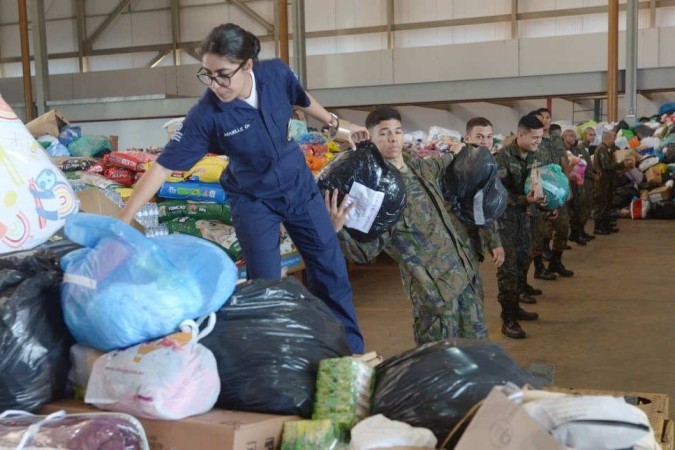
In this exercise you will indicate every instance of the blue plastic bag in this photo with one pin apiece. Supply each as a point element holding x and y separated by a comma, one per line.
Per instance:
<point>69,134</point>
<point>57,149</point>
<point>556,186</point>
<point>123,288</point>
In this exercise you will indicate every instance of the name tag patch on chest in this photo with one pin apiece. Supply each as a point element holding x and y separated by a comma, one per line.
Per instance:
<point>237,130</point>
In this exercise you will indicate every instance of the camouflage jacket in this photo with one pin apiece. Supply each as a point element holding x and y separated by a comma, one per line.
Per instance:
<point>551,150</point>
<point>580,151</point>
<point>604,160</point>
<point>430,245</point>
<point>513,171</point>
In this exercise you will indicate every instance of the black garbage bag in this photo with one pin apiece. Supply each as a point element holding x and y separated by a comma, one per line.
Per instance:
<point>471,185</point>
<point>34,340</point>
<point>643,131</point>
<point>662,211</point>
<point>268,342</point>
<point>436,384</point>
<point>366,165</point>
<point>623,195</point>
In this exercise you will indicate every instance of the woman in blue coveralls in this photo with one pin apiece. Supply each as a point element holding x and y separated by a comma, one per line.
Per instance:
<point>245,114</point>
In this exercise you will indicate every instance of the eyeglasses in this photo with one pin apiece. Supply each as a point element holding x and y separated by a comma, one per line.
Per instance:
<point>220,79</point>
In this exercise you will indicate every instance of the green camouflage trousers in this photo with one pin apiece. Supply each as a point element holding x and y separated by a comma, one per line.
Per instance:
<point>464,319</point>
<point>537,233</point>
<point>558,229</point>
<point>578,208</point>
<point>514,231</point>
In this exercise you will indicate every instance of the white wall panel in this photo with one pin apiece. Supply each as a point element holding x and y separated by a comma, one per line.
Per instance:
<point>57,8</point>
<point>665,17</point>
<point>66,65</point>
<point>100,6</point>
<point>456,62</point>
<point>110,62</point>
<point>552,55</point>
<point>9,40</point>
<point>118,34</point>
<point>666,53</point>
<point>197,22</point>
<point>151,4</point>
<point>151,28</point>
<point>61,36</point>
<point>350,69</point>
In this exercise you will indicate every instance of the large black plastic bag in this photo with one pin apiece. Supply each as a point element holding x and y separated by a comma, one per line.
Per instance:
<point>471,185</point>
<point>268,342</point>
<point>436,384</point>
<point>366,165</point>
<point>34,340</point>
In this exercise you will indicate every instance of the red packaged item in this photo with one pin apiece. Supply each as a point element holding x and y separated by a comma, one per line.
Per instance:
<point>134,160</point>
<point>122,176</point>
<point>138,175</point>
<point>99,167</point>
<point>106,160</point>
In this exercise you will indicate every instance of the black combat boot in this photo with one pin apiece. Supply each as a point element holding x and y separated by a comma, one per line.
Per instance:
<point>557,266</point>
<point>601,228</point>
<point>541,272</point>
<point>531,290</point>
<point>510,326</point>
<point>575,236</point>
<point>528,299</point>
<point>588,237</point>
<point>521,314</point>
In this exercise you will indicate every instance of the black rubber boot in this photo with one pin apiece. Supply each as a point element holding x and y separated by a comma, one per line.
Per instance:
<point>531,290</point>
<point>528,299</point>
<point>521,314</point>
<point>541,272</point>
<point>557,266</point>
<point>510,326</point>
<point>546,250</point>
<point>576,237</point>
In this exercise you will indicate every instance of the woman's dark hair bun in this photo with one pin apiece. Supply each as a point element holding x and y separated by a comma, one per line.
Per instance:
<point>233,42</point>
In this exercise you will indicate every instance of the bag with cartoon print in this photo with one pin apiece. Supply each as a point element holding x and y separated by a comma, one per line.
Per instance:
<point>35,196</point>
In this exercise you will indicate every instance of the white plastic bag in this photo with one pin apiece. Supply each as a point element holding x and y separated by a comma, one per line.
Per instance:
<point>82,359</point>
<point>440,134</point>
<point>169,378</point>
<point>35,197</point>
<point>379,432</point>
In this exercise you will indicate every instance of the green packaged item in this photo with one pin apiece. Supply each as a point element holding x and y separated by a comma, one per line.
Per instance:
<point>309,435</point>
<point>211,230</point>
<point>172,209</point>
<point>344,389</point>
<point>89,146</point>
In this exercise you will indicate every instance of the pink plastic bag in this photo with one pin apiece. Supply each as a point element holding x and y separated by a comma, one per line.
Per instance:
<point>169,378</point>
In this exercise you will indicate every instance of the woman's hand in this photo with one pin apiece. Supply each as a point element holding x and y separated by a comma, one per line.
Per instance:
<point>338,214</point>
<point>356,135</point>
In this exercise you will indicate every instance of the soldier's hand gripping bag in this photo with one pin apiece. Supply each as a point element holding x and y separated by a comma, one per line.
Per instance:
<point>366,166</point>
<point>268,341</point>
<point>472,186</point>
<point>435,385</point>
<point>556,186</point>
<point>34,340</point>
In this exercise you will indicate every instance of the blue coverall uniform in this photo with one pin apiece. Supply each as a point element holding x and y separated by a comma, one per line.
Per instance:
<point>269,183</point>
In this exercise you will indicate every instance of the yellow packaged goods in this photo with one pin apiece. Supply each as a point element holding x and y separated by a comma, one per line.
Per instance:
<point>208,169</point>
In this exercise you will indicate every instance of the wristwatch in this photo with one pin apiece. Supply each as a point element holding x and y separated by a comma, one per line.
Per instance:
<point>333,125</point>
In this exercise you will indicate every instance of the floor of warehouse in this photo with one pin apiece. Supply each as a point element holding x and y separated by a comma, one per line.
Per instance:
<point>608,327</point>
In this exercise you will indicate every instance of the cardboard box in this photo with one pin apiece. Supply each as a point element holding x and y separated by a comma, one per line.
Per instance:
<point>48,123</point>
<point>502,424</point>
<point>216,430</point>
<point>661,194</point>
<point>621,155</point>
<point>95,202</point>
<point>654,405</point>
<point>668,435</point>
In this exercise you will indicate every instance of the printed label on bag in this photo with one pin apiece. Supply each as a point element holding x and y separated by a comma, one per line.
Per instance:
<point>368,203</point>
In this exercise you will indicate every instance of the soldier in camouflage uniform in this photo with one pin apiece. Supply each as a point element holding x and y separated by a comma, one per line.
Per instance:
<point>552,151</point>
<point>479,132</point>
<point>515,162</point>
<point>438,267</point>
<point>604,162</point>
<point>578,205</point>
<point>587,144</point>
